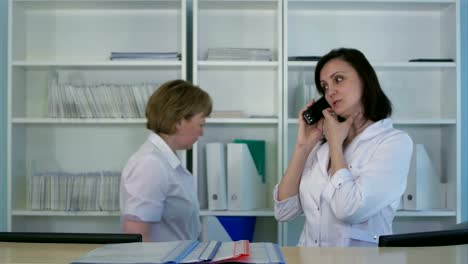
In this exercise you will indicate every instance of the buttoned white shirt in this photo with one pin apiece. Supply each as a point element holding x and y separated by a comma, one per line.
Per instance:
<point>157,189</point>
<point>357,204</point>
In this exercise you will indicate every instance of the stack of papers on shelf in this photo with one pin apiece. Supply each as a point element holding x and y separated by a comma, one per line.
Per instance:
<point>86,191</point>
<point>145,56</point>
<point>186,251</point>
<point>99,101</point>
<point>249,54</point>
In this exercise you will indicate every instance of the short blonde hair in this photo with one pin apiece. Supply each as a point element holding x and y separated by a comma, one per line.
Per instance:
<point>173,101</point>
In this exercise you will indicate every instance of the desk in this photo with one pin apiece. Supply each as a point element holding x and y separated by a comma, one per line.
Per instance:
<point>34,253</point>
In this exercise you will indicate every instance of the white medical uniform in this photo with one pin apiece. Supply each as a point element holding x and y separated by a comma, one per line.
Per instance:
<point>355,205</point>
<point>156,188</point>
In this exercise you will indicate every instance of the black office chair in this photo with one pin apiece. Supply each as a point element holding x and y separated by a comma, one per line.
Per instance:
<point>457,236</point>
<point>74,238</point>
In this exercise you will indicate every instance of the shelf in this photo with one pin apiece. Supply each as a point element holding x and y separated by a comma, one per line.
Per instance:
<point>78,121</point>
<point>387,65</point>
<point>136,121</point>
<point>242,121</point>
<point>371,5</point>
<point>96,4</point>
<point>63,213</point>
<point>430,213</point>
<point>97,64</point>
<point>263,212</point>
<point>253,64</point>
<point>237,4</point>
<point>410,122</point>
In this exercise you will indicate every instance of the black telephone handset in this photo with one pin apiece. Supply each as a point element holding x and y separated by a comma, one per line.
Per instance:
<point>314,113</point>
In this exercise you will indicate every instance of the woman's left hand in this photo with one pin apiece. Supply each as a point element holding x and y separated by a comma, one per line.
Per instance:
<point>335,131</point>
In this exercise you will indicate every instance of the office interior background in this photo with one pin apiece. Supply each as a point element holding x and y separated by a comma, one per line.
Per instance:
<point>4,111</point>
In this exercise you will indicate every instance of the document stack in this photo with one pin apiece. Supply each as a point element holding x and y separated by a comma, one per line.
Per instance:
<point>236,175</point>
<point>145,56</point>
<point>186,251</point>
<point>247,54</point>
<point>98,101</point>
<point>423,189</point>
<point>61,191</point>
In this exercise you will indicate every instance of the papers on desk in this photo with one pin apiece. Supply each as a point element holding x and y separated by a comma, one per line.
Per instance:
<point>186,251</point>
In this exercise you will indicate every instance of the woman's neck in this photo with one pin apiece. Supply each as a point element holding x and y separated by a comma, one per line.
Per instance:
<point>357,128</point>
<point>170,141</point>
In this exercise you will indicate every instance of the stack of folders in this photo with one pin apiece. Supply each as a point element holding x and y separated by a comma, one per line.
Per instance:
<point>247,54</point>
<point>145,56</point>
<point>236,175</point>
<point>186,251</point>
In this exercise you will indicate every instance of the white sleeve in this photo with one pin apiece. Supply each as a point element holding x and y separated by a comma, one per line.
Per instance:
<point>287,209</point>
<point>355,194</point>
<point>146,184</point>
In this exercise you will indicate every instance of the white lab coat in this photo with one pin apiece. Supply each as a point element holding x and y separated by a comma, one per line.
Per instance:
<point>357,204</point>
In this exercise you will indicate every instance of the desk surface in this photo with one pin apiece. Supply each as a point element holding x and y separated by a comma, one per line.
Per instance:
<point>33,253</point>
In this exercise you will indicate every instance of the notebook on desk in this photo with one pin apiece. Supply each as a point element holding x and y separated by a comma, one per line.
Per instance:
<point>186,251</point>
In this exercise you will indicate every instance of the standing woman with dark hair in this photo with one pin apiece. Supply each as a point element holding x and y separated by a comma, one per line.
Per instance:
<point>346,177</point>
<point>157,194</point>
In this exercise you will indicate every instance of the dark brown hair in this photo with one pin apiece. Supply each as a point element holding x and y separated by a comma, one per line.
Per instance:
<point>376,104</point>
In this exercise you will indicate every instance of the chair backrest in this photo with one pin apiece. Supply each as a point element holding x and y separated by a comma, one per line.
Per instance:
<point>426,239</point>
<point>75,238</point>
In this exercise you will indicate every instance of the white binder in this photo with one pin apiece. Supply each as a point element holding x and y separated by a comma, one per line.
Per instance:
<point>245,188</point>
<point>216,176</point>
<point>423,190</point>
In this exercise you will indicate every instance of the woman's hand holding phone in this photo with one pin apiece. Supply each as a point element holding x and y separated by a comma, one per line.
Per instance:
<point>308,135</point>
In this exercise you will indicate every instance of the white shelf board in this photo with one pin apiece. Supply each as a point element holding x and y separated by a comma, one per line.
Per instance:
<point>135,120</point>
<point>238,4</point>
<point>386,65</point>
<point>98,4</point>
<point>97,63</point>
<point>260,212</point>
<point>253,64</point>
<point>242,120</point>
<point>78,120</point>
<point>424,121</point>
<point>426,213</point>
<point>64,213</point>
<point>370,5</point>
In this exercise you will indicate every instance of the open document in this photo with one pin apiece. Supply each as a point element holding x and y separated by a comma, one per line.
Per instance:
<point>187,251</point>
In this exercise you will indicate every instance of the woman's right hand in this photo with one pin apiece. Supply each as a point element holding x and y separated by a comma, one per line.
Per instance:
<point>308,135</point>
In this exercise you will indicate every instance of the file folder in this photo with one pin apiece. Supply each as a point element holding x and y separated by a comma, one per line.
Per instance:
<point>216,176</point>
<point>423,183</point>
<point>246,191</point>
<point>257,149</point>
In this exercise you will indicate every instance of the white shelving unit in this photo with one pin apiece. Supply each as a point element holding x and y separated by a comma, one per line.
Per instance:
<point>253,87</point>
<point>74,39</point>
<point>425,95</point>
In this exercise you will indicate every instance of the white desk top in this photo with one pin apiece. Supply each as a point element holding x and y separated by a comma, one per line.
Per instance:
<point>33,253</point>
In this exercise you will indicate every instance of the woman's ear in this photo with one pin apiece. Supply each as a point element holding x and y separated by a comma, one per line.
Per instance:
<point>179,124</point>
